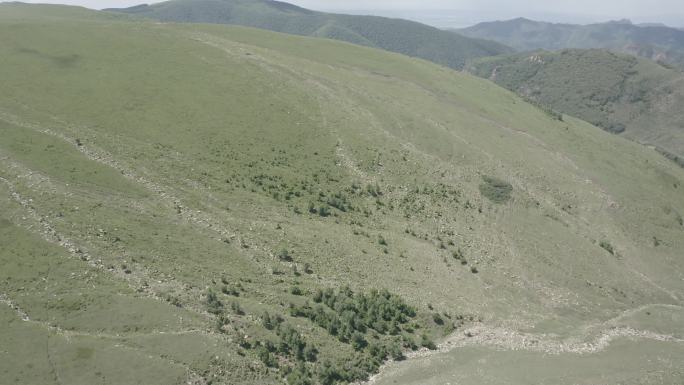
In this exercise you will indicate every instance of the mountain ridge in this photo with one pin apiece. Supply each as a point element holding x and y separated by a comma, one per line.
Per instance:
<point>396,35</point>
<point>659,43</point>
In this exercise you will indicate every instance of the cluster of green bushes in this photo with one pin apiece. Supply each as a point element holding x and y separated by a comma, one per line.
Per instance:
<point>326,202</point>
<point>378,310</point>
<point>231,289</point>
<point>290,345</point>
<point>378,325</point>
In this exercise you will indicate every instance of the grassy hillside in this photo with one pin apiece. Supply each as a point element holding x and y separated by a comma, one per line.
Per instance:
<point>395,35</point>
<point>188,203</point>
<point>622,94</point>
<point>658,43</point>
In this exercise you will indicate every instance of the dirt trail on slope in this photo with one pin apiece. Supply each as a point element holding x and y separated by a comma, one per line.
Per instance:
<point>507,339</point>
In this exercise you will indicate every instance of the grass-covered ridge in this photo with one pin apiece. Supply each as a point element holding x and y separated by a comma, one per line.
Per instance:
<point>395,35</point>
<point>165,187</point>
<point>619,93</point>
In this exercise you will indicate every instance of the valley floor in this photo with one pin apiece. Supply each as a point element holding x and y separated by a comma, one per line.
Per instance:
<point>644,345</point>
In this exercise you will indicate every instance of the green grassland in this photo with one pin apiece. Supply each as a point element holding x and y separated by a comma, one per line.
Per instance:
<point>620,93</point>
<point>395,35</point>
<point>163,186</point>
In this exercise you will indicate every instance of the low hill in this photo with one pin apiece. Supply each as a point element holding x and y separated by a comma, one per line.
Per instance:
<point>658,43</point>
<point>396,35</point>
<point>620,93</point>
<point>212,204</point>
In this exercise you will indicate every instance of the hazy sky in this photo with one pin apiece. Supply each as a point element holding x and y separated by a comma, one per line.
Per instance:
<point>671,11</point>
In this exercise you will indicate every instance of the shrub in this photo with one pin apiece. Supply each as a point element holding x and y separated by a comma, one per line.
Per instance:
<point>295,290</point>
<point>266,357</point>
<point>284,255</point>
<point>378,352</point>
<point>266,321</point>
<point>382,241</point>
<point>374,191</point>
<point>437,319</point>
<point>607,246</point>
<point>408,342</point>
<point>236,308</point>
<point>324,212</point>
<point>310,353</point>
<point>426,342</point>
<point>358,342</point>
<point>299,376</point>
<point>496,190</point>
<point>214,305</point>
<point>394,351</point>
<point>221,321</point>
<point>230,290</point>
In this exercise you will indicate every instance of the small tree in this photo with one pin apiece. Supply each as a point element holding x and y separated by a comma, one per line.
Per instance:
<point>266,357</point>
<point>214,305</point>
<point>312,208</point>
<point>295,290</point>
<point>324,211</point>
<point>437,319</point>
<point>607,246</point>
<point>266,321</point>
<point>299,376</point>
<point>310,353</point>
<point>358,342</point>
<point>426,342</point>
<point>394,350</point>
<point>236,308</point>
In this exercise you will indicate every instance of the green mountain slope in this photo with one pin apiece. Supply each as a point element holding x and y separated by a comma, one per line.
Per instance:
<point>659,43</point>
<point>635,97</point>
<point>395,35</point>
<point>186,203</point>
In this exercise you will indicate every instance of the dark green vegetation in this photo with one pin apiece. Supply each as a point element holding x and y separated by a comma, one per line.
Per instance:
<point>174,196</point>
<point>396,35</point>
<point>495,189</point>
<point>658,43</point>
<point>619,93</point>
<point>377,325</point>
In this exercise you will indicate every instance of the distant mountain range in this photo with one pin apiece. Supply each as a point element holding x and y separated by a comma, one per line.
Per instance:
<point>632,96</point>
<point>402,36</point>
<point>656,42</point>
